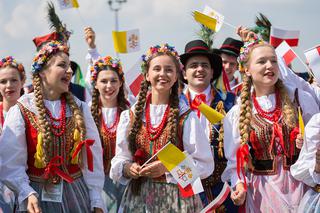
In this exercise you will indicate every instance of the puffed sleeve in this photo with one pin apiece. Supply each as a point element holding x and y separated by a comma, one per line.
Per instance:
<point>308,105</point>
<point>196,143</point>
<point>231,145</point>
<point>123,154</point>
<point>13,157</point>
<point>290,78</point>
<point>95,179</point>
<point>303,169</point>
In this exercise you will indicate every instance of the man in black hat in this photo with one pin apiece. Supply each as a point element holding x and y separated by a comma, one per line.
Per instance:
<point>229,52</point>
<point>201,68</point>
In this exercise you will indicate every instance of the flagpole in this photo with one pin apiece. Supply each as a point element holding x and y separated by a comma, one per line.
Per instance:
<point>230,25</point>
<point>308,70</point>
<point>116,9</point>
<point>155,154</point>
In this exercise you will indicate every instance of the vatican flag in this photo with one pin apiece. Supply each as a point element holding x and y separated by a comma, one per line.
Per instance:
<point>126,41</point>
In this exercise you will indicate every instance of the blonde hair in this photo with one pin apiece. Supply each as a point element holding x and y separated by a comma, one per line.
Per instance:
<point>44,125</point>
<point>288,110</point>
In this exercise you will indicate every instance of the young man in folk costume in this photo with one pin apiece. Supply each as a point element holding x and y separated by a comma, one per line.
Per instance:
<point>229,52</point>
<point>201,68</point>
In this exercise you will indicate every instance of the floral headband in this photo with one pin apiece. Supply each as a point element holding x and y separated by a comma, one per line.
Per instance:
<point>101,64</point>
<point>45,53</point>
<point>245,49</point>
<point>10,61</point>
<point>164,48</point>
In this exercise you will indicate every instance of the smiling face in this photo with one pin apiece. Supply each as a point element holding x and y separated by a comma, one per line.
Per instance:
<point>56,76</point>
<point>230,64</point>
<point>198,72</point>
<point>162,73</point>
<point>263,67</point>
<point>11,83</point>
<point>108,85</point>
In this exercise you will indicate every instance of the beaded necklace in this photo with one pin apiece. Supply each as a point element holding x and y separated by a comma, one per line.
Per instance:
<point>61,120</point>
<point>154,133</point>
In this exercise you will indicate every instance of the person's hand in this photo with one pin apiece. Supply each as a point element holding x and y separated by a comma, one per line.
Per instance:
<point>90,37</point>
<point>97,210</point>
<point>153,170</point>
<point>317,167</point>
<point>131,170</point>
<point>245,33</point>
<point>299,141</point>
<point>239,195</point>
<point>33,204</point>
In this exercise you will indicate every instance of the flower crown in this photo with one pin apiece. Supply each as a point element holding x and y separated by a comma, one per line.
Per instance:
<point>164,48</point>
<point>101,64</point>
<point>45,53</point>
<point>10,61</point>
<point>245,49</point>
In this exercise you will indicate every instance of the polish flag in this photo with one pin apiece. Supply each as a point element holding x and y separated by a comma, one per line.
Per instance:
<point>313,57</point>
<point>191,189</point>
<point>285,51</point>
<point>134,78</point>
<point>218,200</point>
<point>278,35</point>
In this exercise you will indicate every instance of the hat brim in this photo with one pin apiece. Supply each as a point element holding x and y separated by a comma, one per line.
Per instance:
<point>215,61</point>
<point>225,51</point>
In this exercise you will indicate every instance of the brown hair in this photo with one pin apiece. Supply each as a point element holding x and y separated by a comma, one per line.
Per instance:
<point>139,107</point>
<point>121,98</point>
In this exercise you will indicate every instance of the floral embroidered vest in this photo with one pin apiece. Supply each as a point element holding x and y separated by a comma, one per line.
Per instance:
<point>60,146</point>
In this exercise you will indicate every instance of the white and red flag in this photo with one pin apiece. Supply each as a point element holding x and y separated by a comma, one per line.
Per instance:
<point>134,78</point>
<point>285,51</point>
<point>313,57</point>
<point>216,203</point>
<point>278,35</point>
<point>191,189</point>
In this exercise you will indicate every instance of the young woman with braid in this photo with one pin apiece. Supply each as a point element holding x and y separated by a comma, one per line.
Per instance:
<point>262,137</point>
<point>108,101</point>
<point>12,78</point>
<point>51,154</point>
<point>159,116</point>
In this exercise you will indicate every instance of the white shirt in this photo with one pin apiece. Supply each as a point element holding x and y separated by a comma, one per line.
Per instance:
<point>205,123</point>
<point>13,151</point>
<point>232,134</point>
<point>303,169</point>
<point>195,143</point>
<point>109,115</point>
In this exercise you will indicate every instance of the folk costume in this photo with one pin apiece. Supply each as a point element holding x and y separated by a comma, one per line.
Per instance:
<point>159,194</point>
<point>6,195</point>
<point>71,179</point>
<point>263,162</point>
<point>304,169</point>
<point>108,120</point>
<point>222,103</point>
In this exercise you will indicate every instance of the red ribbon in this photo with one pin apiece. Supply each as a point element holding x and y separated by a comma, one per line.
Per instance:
<point>139,156</point>
<point>53,169</point>
<point>196,103</point>
<point>242,160</point>
<point>87,143</point>
<point>277,132</point>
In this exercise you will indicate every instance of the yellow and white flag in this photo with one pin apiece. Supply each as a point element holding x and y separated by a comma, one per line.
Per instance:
<point>126,41</point>
<point>66,4</point>
<point>216,15</point>
<point>179,164</point>
<point>205,20</point>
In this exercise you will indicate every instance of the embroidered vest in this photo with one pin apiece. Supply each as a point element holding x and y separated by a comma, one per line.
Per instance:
<point>109,147</point>
<point>152,147</point>
<point>61,146</point>
<point>263,155</point>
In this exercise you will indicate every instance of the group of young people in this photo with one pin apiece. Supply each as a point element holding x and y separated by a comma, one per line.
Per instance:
<point>60,154</point>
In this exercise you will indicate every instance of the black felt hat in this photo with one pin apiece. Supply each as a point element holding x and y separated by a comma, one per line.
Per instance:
<point>230,46</point>
<point>199,47</point>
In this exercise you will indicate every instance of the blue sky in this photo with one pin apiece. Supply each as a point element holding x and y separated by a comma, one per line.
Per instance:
<point>159,21</point>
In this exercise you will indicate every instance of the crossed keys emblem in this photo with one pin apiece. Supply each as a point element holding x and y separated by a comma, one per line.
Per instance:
<point>184,173</point>
<point>133,41</point>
